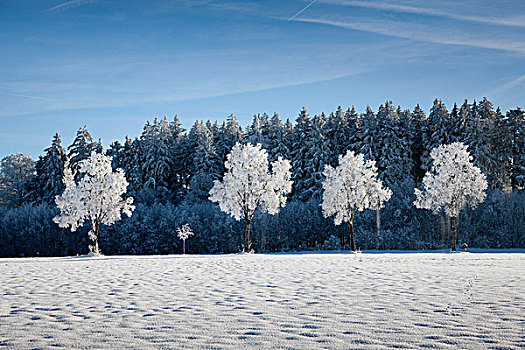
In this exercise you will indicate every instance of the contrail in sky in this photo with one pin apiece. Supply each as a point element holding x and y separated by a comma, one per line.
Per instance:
<point>298,13</point>
<point>28,96</point>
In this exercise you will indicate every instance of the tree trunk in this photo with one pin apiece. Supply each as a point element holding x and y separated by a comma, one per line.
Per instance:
<point>378,220</point>
<point>183,246</point>
<point>352,240</point>
<point>454,233</point>
<point>94,228</point>
<point>378,226</point>
<point>443,218</point>
<point>247,240</point>
<point>96,251</point>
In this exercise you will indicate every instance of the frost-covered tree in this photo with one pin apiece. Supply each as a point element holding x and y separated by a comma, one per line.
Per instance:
<point>352,186</point>
<point>368,141</point>
<point>300,144</point>
<point>452,183</point>
<point>317,155</point>
<point>49,171</point>
<point>130,160</point>
<point>258,131</point>
<point>227,136</point>
<point>436,132</point>
<point>97,197</point>
<point>180,158</point>
<point>16,174</point>
<point>247,185</point>
<point>184,232</point>
<point>276,138</point>
<point>207,164</point>
<point>81,148</point>
<point>156,156</point>
<point>517,121</point>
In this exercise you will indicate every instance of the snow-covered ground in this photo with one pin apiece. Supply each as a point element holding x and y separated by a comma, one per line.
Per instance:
<point>299,301</point>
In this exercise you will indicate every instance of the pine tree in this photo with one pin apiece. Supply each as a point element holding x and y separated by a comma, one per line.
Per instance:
<point>436,132</point>
<point>394,163</point>
<point>456,131</point>
<point>467,123</point>
<point>233,133</point>
<point>130,161</point>
<point>368,136</point>
<point>516,119</point>
<point>300,143</point>
<point>481,137</point>
<point>352,123</point>
<point>501,138</point>
<point>49,170</point>
<point>206,165</point>
<point>17,173</point>
<point>180,159</point>
<point>81,149</point>
<point>276,138</point>
<point>156,157</point>
<point>317,155</point>
<point>418,127</point>
<point>258,131</point>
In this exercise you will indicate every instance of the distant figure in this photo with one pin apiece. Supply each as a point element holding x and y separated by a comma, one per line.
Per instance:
<point>465,246</point>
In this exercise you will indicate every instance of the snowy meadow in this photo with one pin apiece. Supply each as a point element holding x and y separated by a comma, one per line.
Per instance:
<point>286,301</point>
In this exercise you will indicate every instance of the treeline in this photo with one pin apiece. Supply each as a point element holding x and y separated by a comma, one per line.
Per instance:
<point>170,172</point>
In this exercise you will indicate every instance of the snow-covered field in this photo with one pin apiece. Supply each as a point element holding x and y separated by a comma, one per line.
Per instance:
<point>299,301</point>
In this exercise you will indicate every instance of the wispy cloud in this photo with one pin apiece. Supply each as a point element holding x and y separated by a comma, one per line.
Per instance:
<point>69,4</point>
<point>505,21</point>
<point>302,10</point>
<point>508,85</point>
<point>199,93</point>
<point>421,33</point>
<point>28,96</point>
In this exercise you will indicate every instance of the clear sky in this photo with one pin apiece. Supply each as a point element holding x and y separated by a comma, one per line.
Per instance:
<point>112,65</point>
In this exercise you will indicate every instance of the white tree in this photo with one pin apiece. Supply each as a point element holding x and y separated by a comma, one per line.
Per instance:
<point>16,173</point>
<point>452,183</point>
<point>97,197</point>
<point>352,186</point>
<point>183,233</point>
<point>247,185</point>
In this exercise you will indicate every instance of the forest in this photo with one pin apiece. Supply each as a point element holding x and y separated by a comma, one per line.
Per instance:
<point>170,172</point>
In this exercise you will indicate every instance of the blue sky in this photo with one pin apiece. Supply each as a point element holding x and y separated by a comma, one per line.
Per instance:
<point>112,65</point>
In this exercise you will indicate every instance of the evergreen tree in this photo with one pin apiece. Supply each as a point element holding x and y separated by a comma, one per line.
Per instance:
<point>352,123</point>
<point>258,131</point>
<point>394,163</point>
<point>277,146</point>
<point>317,155</point>
<point>436,132</point>
<point>156,157</point>
<point>231,134</point>
<point>206,166</point>
<point>129,160</point>
<point>480,139</point>
<point>81,149</point>
<point>368,136</point>
<point>418,127</point>
<point>180,158</point>
<point>516,119</point>
<point>49,170</point>
<point>17,173</point>
<point>300,143</point>
<point>501,138</point>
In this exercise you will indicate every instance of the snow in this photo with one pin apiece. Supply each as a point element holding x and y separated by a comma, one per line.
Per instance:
<point>300,301</point>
